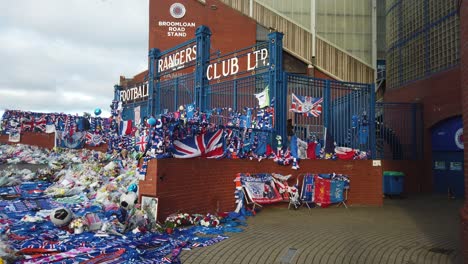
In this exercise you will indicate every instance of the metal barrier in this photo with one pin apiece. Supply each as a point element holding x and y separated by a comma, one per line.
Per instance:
<point>346,111</point>
<point>225,85</point>
<point>399,131</point>
<point>304,126</point>
<point>177,92</point>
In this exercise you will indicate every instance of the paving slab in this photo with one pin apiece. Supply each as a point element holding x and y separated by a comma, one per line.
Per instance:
<point>413,230</point>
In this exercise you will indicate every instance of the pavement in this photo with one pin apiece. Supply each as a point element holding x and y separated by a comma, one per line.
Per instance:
<point>411,230</point>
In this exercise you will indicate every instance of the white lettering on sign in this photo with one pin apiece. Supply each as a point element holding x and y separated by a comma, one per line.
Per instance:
<point>231,66</point>
<point>176,28</point>
<point>176,24</point>
<point>177,59</point>
<point>215,70</point>
<point>134,93</point>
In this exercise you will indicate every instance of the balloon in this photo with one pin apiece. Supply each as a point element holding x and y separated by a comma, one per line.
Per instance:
<point>97,111</point>
<point>132,188</point>
<point>152,121</point>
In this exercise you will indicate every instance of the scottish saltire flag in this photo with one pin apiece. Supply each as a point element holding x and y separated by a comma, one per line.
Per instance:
<point>94,139</point>
<point>209,145</point>
<point>125,127</point>
<point>306,105</point>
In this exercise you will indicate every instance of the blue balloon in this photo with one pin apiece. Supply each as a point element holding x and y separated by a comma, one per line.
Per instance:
<point>97,111</point>
<point>152,121</point>
<point>132,188</point>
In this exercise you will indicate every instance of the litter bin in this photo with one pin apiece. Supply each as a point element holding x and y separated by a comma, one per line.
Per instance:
<point>393,182</point>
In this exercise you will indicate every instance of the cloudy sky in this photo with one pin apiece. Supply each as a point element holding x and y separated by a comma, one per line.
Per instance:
<point>67,55</point>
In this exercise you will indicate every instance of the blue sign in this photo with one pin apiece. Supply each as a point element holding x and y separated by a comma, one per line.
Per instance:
<point>448,135</point>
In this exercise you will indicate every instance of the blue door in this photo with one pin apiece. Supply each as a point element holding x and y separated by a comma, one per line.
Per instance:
<point>447,157</point>
<point>448,173</point>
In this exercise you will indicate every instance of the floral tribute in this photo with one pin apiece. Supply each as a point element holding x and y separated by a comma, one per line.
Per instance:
<point>78,223</point>
<point>185,219</point>
<point>209,221</point>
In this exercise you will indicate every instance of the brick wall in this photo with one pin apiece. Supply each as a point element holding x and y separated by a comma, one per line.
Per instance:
<point>464,96</point>
<point>319,74</point>
<point>230,29</point>
<point>411,169</point>
<point>202,185</point>
<point>43,140</point>
<point>440,97</point>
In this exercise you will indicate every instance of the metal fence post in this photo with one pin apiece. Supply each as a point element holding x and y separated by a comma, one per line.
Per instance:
<point>372,140</point>
<point>276,85</point>
<point>234,107</point>
<point>154,55</point>
<point>176,93</point>
<point>326,105</point>
<point>203,35</point>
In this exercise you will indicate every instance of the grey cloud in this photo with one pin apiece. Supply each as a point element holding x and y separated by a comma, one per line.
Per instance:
<point>63,56</point>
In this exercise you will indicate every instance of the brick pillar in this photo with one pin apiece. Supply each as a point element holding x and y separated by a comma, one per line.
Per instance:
<point>464,96</point>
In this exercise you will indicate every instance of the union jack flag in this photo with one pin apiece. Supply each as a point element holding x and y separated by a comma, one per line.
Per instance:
<point>28,124</point>
<point>209,145</point>
<point>40,124</point>
<point>141,143</point>
<point>306,105</point>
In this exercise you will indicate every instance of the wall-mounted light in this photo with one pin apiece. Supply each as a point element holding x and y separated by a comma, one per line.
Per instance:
<point>213,7</point>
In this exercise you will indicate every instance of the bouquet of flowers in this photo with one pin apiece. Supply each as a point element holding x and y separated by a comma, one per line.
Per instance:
<point>179,219</point>
<point>78,223</point>
<point>209,221</point>
<point>196,218</point>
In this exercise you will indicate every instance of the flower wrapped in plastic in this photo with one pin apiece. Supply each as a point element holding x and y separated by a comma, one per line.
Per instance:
<point>181,219</point>
<point>78,223</point>
<point>210,221</point>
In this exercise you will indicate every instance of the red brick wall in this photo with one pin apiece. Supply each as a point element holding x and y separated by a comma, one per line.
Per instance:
<point>464,96</point>
<point>43,140</point>
<point>202,185</point>
<point>440,97</point>
<point>322,75</point>
<point>36,139</point>
<point>411,169</point>
<point>230,29</point>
